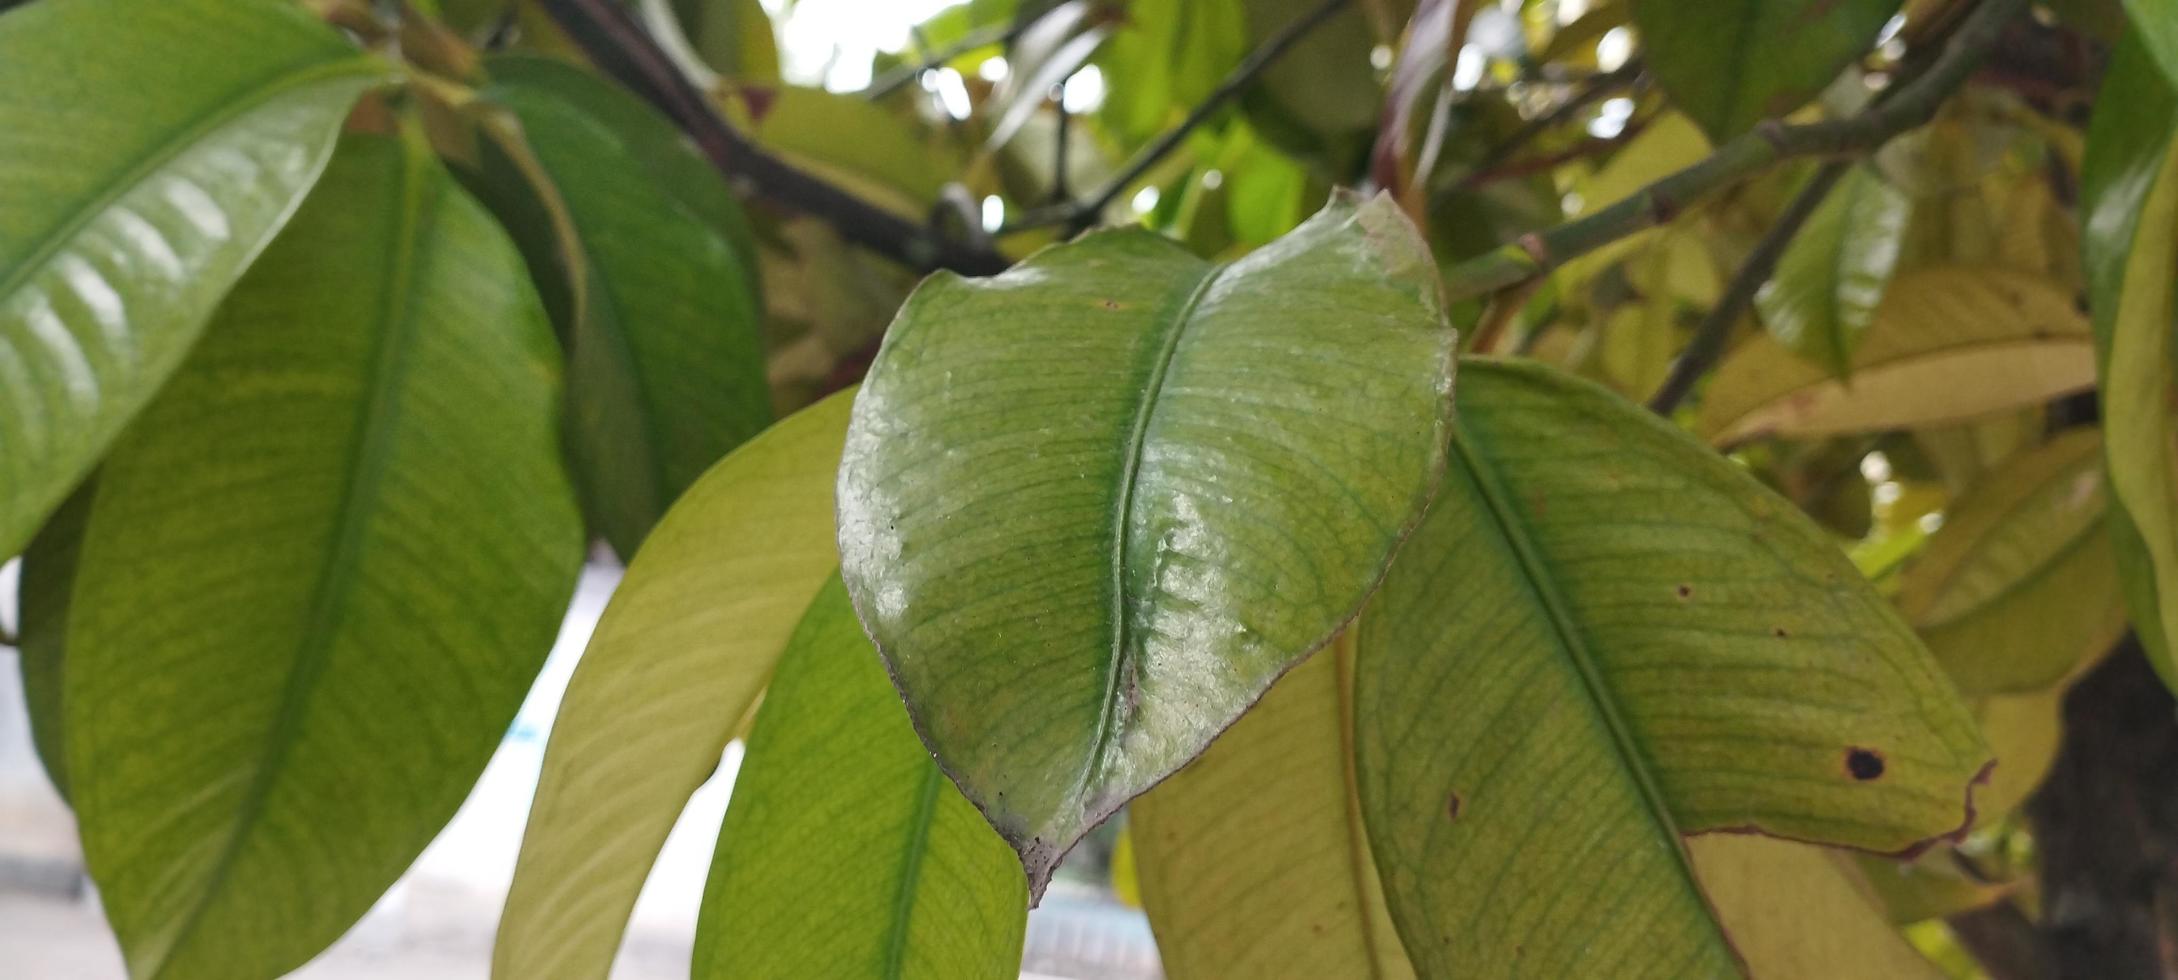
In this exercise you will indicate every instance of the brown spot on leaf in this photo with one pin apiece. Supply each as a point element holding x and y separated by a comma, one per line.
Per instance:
<point>1452,806</point>
<point>1863,764</point>
<point>1111,304</point>
<point>1779,632</point>
<point>1686,591</point>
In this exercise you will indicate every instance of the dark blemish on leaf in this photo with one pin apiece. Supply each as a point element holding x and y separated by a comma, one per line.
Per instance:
<point>1863,764</point>
<point>1779,632</point>
<point>1452,806</point>
<point>1686,592</point>
<point>1111,304</point>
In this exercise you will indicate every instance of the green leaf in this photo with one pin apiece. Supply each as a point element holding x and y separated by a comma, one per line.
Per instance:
<point>1830,279</point>
<point>48,574</point>
<point>1605,623</point>
<point>666,353</point>
<point>1322,90</point>
<point>677,662</point>
<point>1166,56</point>
<point>1253,860</point>
<point>1091,508</point>
<point>864,147</point>
<point>152,151</point>
<point>2019,585</point>
<point>845,852</point>
<point>2130,210</point>
<point>732,37</point>
<point>1948,344</point>
<point>317,577</point>
<point>1734,63</point>
<point>2155,27</point>
<point>1049,52</point>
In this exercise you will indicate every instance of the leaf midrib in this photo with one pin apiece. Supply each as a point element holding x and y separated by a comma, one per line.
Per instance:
<point>161,154</point>
<point>366,467</point>
<point>911,868</point>
<point>1534,573</point>
<point>1123,507</point>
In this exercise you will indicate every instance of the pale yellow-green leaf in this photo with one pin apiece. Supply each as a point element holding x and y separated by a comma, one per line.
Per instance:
<point>2019,584</point>
<point>1794,913</point>
<point>1948,343</point>
<point>1253,860</point>
<point>681,654</point>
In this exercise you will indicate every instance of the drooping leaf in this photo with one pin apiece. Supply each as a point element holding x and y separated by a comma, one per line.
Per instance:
<point>2019,585</point>
<point>2130,209</point>
<point>151,151</point>
<point>1733,63</point>
<point>1603,637</point>
<point>845,852</point>
<point>1948,344</point>
<point>666,353</point>
<point>1795,914</point>
<point>1829,281</point>
<point>48,576</point>
<point>1091,508</point>
<point>1253,860</point>
<point>686,645</point>
<point>317,577</point>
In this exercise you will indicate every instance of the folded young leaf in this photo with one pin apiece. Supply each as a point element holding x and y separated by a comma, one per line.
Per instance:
<point>1733,63</point>
<point>1829,281</point>
<point>1091,508</point>
<point>1253,860</point>
<point>1948,343</point>
<point>2130,206</point>
<point>845,852</point>
<point>152,150</point>
<point>665,335</point>
<point>683,650</point>
<point>2019,585</point>
<point>317,577</point>
<point>1603,637</point>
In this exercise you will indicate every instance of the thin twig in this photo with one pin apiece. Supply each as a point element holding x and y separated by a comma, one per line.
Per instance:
<point>1912,103</point>
<point>1081,214</point>
<point>1594,89</point>
<point>999,34</point>
<point>623,51</point>
<point>1702,352</point>
<point>1059,190</point>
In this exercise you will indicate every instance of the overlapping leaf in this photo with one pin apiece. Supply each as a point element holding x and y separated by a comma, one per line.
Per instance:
<point>1253,860</point>
<point>679,658</point>
<point>1091,508</point>
<point>1604,637</point>
<point>1829,281</point>
<point>845,852</point>
<point>2130,202</point>
<point>317,577</point>
<point>2019,585</point>
<point>1948,344</point>
<point>666,355</point>
<point>1734,63</point>
<point>151,152</point>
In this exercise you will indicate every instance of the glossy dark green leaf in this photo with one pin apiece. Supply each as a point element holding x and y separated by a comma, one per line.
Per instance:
<point>2130,212</point>
<point>1603,637</point>
<point>317,577</point>
<point>1830,279</point>
<point>1091,508</point>
<point>150,151</point>
<point>679,658</point>
<point>845,852</point>
<point>1732,63</point>
<point>666,358</point>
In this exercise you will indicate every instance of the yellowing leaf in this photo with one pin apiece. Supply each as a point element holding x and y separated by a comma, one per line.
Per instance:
<point>1253,860</point>
<point>679,657</point>
<point>2019,585</point>
<point>1947,344</point>
<point>1795,914</point>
